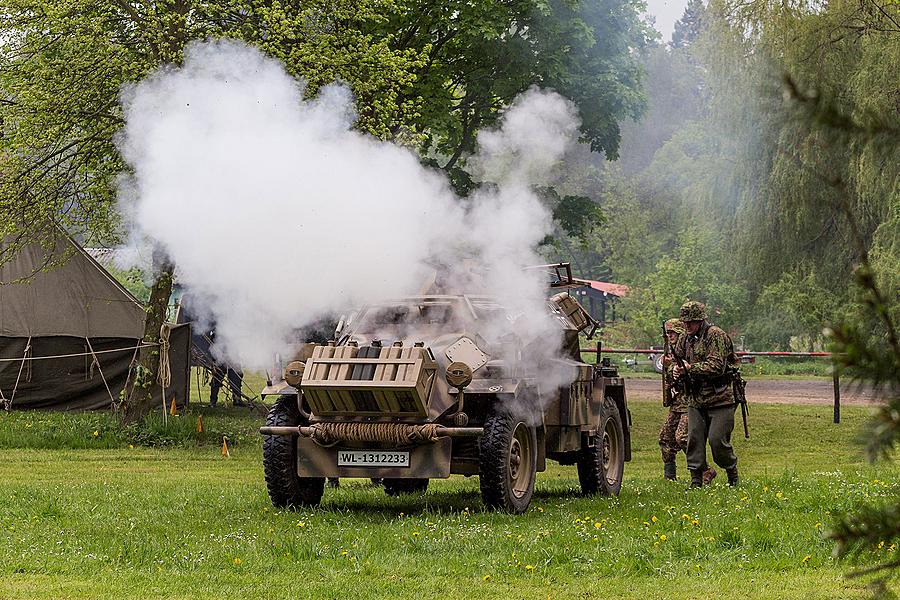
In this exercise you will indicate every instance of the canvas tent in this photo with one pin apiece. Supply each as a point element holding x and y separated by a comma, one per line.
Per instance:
<point>68,335</point>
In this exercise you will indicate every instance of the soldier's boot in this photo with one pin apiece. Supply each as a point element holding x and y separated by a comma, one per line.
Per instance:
<point>669,471</point>
<point>732,476</point>
<point>696,478</point>
<point>709,475</point>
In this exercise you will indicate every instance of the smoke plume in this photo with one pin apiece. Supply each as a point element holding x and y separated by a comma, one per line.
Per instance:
<point>277,213</point>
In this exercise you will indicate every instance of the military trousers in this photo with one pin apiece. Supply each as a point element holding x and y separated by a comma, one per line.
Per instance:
<point>673,435</point>
<point>715,425</point>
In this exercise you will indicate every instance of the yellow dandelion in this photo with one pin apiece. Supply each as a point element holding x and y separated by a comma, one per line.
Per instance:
<point>96,433</point>
<point>818,525</point>
<point>663,538</point>
<point>487,578</point>
<point>806,559</point>
<point>646,524</point>
<point>695,522</point>
<point>686,516</point>
<point>301,524</point>
<point>236,561</point>
<point>529,567</point>
<point>881,544</point>
<point>766,489</point>
<point>131,446</point>
<point>415,534</point>
<point>653,518</point>
<point>540,509</point>
<point>779,495</point>
<point>598,525</point>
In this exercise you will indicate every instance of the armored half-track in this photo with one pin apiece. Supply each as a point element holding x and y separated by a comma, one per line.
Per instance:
<point>426,387</point>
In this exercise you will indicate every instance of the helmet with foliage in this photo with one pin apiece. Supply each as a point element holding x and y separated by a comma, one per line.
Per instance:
<point>674,325</point>
<point>693,311</point>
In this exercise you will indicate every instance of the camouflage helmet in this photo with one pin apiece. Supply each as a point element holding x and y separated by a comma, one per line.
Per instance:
<point>693,311</point>
<point>674,325</point>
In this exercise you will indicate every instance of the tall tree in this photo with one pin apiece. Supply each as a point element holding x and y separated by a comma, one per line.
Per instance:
<point>689,27</point>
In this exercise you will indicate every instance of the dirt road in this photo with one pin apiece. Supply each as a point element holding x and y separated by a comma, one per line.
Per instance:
<point>771,391</point>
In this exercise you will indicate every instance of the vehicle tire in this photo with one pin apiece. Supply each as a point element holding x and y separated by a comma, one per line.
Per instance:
<point>600,468</point>
<point>286,488</point>
<point>508,463</point>
<point>658,363</point>
<point>398,487</point>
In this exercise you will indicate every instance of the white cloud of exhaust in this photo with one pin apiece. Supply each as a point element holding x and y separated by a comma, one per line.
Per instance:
<point>278,213</point>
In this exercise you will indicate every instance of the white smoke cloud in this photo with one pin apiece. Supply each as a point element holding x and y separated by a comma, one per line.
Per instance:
<point>277,212</point>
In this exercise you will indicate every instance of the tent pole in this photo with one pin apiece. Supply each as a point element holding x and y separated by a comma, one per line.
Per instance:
<point>8,403</point>
<point>100,369</point>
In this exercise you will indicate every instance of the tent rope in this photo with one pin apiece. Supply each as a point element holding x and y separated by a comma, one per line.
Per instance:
<point>165,368</point>
<point>7,404</point>
<point>53,356</point>
<point>96,362</point>
<point>165,365</point>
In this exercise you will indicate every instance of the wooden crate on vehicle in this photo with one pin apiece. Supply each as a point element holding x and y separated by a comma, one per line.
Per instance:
<point>371,380</point>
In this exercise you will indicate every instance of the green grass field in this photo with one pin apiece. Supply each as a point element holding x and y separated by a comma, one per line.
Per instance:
<point>109,520</point>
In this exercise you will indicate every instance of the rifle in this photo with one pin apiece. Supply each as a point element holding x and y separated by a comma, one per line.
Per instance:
<point>667,390</point>
<point>688,379</point>
<point>738,386</point>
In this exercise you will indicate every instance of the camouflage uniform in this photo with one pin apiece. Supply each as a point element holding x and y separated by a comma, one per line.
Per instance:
<point>674,432</point>
<point>710,352</point>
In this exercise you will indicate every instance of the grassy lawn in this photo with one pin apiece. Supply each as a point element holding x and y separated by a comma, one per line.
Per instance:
<point>106,520</point>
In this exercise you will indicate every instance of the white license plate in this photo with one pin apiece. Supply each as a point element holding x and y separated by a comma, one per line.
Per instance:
<point>365,458</point>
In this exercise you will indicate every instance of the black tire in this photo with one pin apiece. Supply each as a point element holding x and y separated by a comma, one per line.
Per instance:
<point>601,467</point>
<point>398,487</point>
<point>286,488</point>
<point>508,463</point>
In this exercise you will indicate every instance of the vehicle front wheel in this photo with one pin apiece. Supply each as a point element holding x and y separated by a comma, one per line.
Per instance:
<point>600,467</point>
<point>397,487</point>
<point>286,488</point>
<point>508,463</point>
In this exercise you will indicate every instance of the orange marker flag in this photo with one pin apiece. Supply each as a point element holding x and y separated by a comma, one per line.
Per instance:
<point>225,451</point>
<point>199,423</point>
<point>173,410</point>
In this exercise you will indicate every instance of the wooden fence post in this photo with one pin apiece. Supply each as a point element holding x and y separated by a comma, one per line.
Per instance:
<point>837,396</point>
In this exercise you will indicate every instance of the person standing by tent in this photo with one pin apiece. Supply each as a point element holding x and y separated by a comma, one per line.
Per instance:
<point>221,372</point>
<point>234,376</point>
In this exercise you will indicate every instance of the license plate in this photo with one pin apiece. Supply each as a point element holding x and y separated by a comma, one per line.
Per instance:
<point>364,458</point>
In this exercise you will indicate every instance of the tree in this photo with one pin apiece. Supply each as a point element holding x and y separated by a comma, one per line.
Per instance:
<point>482,54</point>
<point>689,27</point>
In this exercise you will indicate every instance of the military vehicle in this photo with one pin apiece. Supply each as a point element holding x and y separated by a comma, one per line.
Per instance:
<point>427,386</point>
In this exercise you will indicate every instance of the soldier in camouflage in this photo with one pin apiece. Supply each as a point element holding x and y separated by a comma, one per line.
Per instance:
<point>708,353</point>
<point>673,434</point>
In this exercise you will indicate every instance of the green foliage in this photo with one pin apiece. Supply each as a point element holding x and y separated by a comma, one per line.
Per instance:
<point>796,306</point>
<point>690,26</point>
<point>133,280</point>
<point>481,55</point>
<point>689,273</point>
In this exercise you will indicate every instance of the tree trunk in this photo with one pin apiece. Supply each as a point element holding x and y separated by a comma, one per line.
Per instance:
<point>144,382</point>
